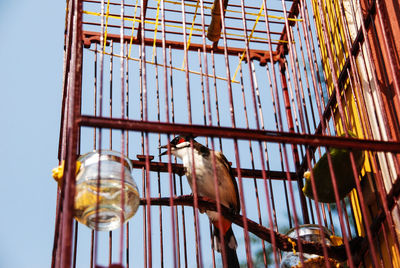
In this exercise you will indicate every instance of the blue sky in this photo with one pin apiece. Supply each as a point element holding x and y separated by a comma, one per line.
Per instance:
<point>31,53</point>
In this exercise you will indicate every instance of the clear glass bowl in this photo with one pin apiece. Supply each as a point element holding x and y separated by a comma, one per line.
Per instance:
<point>311,233</point>
<point>106,188</point>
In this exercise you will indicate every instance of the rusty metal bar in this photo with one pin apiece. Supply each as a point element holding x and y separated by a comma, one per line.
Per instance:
<point>75,247</point>
<point>355,48</point>
<point>239,133</point>
<point>73,103</point>
<point>127,245</point>
<point>199,258</point>
<point>110,100</point>
<point>172,180</point>
<point>312,60</point>
<point>391,50</point>
<point>126,114</point>
<point>285,160</point>
<point>127,93</point>
<point>277,115</point>
<point>180,170</point>
<point>216,95</point>
<point>195,36</point>
<point>66,68</point>
<point>295,152</point>
<point>294,11</point>
<point>271,224</point>
<point>110,247</point>
<point>387,246</point>
<point>146,136</point>
<point>153,20</point>
<point>258,114</point>
<point>390,120</point>
<point>203,93</point>
<point>123,132</point>
<point>261,55</point>
<point>293,59</point>
<point>233,124</point>
<point>169,161</point>
<point>160,214</point>
<point>305,75</point>
<point>95,95</point>
<point>143,11</point>
<point>209,113</point>
<point>56,252</point>
<point>95,239</point>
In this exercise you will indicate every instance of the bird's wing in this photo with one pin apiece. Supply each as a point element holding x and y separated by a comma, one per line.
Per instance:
<point>228,167</point>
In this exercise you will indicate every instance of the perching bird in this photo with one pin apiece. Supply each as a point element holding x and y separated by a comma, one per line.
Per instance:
<point>343,173</point>
<point>227,187</point>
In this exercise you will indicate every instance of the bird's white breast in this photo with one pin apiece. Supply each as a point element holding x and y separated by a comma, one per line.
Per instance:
<point>205,179</point>
<point>203,170</point>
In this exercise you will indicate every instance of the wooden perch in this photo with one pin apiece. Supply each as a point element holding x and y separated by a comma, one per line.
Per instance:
<point>281,240</point>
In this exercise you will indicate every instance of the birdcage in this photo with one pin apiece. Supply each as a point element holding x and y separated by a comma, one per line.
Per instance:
<point>301,97</point>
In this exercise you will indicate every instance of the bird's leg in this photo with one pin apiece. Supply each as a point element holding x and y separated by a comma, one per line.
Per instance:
<point>200,209</point>
<point>207,199</point>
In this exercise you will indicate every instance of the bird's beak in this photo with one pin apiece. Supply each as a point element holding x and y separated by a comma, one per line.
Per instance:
<point>163,147</point>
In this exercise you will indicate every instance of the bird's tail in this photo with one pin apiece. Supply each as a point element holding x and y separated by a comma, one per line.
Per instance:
<point>230,243</point>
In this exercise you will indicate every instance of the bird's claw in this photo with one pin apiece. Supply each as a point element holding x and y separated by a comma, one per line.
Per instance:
<point>233,211</point>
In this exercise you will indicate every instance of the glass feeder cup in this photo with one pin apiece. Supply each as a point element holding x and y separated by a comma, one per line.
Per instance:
<point>311,233</point>
<point>98,195</point>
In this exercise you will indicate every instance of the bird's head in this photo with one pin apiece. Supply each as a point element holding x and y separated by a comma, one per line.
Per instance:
<point>307,190</point>
<point>178,143</point>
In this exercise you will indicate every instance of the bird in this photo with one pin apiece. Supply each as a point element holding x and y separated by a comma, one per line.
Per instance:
<point>343,170</point>
<point>204,174</point>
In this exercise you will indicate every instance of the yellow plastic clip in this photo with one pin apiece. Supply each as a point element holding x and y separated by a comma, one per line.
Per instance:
<point>307,174</point>
<point>58,172</point>
<point>293,245</point>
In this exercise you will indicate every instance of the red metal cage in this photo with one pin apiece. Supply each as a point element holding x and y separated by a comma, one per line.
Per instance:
<point>284,83</point>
